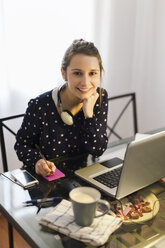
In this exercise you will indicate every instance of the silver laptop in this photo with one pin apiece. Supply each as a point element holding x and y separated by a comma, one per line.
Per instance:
<point>144,164</point>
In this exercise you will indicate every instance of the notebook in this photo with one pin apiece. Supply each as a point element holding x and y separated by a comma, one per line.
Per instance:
<point>143,164</point>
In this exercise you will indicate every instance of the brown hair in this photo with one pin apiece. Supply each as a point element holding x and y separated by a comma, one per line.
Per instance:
<point>83,47</point>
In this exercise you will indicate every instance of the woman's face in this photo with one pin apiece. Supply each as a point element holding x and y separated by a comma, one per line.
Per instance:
<point>83,76</point>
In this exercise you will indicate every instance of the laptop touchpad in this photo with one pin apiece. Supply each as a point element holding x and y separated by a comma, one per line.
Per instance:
<point>112,162</point>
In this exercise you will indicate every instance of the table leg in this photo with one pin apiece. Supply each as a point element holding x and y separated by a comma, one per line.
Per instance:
<point>10,233</point>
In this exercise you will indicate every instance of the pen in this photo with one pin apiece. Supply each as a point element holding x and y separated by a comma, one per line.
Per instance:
<point>42,156</point>
<point>35,201</point>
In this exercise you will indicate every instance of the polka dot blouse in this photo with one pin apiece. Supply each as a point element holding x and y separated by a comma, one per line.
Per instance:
<point>42,125</point>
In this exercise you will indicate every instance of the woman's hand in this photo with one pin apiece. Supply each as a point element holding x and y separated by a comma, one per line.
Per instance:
<point>88,105</point>
<point>45,168</point>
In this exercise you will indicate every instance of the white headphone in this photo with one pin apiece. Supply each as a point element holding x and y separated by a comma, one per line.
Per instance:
<point>66,115</point>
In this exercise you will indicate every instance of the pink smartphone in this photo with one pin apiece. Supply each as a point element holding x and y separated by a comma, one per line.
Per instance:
<point>57,174</point>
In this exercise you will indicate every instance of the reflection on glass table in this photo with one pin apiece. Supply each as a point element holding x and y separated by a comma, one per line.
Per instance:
<point>136,234</point>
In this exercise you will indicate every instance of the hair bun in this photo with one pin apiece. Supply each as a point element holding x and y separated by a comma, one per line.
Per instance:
<point>78,40</point>
<point>81,46</point>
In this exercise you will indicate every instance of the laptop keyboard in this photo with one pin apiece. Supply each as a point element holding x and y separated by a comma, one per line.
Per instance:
<point>110,178</point>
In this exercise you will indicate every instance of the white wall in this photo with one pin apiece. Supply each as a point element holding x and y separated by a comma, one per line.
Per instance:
<point>135,56</point>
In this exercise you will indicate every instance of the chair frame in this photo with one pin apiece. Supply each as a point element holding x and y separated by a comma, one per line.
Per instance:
<point>132,99</point>
<point>2,140</point>
<point>4,162</point>
<point>3,149</point>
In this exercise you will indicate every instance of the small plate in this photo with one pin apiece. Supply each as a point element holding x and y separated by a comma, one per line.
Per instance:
<point>147,196</point>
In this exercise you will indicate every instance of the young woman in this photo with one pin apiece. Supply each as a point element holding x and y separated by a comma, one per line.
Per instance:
<point>70,119</point>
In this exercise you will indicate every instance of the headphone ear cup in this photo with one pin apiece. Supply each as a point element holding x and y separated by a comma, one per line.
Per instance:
<point>67,117</point>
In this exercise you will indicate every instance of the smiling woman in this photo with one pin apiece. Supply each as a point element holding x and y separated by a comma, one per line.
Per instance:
<point>70,119</point>
<point>82,76</point>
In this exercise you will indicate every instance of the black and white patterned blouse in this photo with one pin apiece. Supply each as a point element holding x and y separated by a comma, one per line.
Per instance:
<point>42,125</point>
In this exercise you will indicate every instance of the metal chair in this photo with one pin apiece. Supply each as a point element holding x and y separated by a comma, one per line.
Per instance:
<point>130,98</point>
<point>4,161</point>
<point>2,140</point>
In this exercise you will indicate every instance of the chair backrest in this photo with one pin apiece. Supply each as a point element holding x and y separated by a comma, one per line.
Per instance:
<point>111,129</point>
<point>123,102</point>
<point>2,138</point>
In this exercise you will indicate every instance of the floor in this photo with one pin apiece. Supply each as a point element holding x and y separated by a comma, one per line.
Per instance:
<point>19,242</point>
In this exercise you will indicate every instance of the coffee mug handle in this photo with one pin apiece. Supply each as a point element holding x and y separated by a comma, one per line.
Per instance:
<point>107,206</point>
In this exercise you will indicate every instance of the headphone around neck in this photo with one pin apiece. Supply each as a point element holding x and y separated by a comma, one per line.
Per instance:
<point>66,115</point>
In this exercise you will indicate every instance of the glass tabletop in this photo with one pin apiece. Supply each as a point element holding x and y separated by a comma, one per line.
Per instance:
<point>149,233</point>
<point>146,233</point>
<point>133,234</point>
